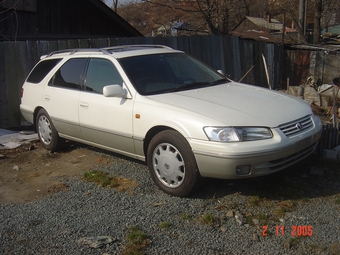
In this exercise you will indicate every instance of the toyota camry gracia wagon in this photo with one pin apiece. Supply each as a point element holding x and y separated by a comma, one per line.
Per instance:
<point>159,105</point>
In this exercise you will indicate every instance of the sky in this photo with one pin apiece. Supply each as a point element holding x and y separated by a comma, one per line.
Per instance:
<point>109,2</point>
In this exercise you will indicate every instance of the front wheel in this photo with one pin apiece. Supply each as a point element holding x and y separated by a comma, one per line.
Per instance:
<point>47,133</point>
<point>172,164</point>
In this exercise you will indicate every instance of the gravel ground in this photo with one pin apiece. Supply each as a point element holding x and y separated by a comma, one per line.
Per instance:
<point>237,210</point>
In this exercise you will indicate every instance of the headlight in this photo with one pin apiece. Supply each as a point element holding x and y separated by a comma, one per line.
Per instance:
<point>237,134</point>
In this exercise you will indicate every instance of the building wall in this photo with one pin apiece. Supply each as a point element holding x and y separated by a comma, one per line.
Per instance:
<point>50,19</point>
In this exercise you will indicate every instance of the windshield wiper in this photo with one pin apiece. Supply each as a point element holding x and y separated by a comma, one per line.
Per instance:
<point>190,86</point>
<point>220,81</point>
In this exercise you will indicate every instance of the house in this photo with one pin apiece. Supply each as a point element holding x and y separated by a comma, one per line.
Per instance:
<point>62,19</point>
<point>268,29</point>
<point>31,28</point>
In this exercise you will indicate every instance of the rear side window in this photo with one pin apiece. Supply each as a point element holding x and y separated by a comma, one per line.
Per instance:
<point>69,74</point>
<point>41,70</point>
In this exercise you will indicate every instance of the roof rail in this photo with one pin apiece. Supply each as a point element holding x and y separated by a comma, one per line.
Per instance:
<point>134,47</point>
<point>73,51</point>
<point>108,49</point>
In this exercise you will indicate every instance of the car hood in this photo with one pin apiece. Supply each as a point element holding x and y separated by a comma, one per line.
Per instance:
<point>238,104</point>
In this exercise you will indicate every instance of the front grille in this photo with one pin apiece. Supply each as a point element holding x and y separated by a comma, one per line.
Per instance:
<point>297,126</point>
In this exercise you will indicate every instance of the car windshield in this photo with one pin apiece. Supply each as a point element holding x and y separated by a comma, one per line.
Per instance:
<point>164,73</point>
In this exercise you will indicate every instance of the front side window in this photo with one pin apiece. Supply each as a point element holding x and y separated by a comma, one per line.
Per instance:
<point>100,73</point>
<point>69,75</point>
<point>42,69</point>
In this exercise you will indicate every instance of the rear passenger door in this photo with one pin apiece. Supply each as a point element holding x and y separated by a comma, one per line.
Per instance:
<point>105,121</point>
<point>61,97</point>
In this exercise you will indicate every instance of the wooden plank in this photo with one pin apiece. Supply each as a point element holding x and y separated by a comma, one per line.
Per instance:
<point>196,47</point>
<point>247,61</point>
<point>99,43</point>
<point>216,52</point>
<point>4,118</point>
<point>43,48</point>
<point>52,46</point>
<point>259,70</point>
<point>172,42</point>
<point>16,57</point>
<point>83,43</point>
<point>112,42</point>
<point>236,58</point>
<point>183,43</point>
<point>72,44</point>
<point>227,56</point>
<point>32,56</point>
<point>62,45</point>
<point>271,63</point>
<point>206,50</point>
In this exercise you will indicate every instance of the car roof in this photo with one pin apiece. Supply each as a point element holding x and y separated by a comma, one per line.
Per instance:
<point>116,51</point>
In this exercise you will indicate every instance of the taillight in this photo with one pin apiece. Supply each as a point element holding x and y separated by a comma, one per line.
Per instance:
<point>22,92</point>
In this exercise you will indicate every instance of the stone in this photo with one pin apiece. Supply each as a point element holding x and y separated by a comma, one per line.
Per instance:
<point>256,221</point>
<point>223,229</point>
<point>316,171</point>
<point>96,241</point>
<point>230,213</point>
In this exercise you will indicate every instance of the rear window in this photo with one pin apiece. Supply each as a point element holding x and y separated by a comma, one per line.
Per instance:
<point>42,69</point>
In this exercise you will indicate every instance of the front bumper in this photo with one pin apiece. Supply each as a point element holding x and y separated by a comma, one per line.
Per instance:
<point>223,164</point>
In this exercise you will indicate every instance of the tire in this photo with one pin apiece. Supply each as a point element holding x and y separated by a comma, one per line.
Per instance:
<point>47,133</point>
<point>172,164</point>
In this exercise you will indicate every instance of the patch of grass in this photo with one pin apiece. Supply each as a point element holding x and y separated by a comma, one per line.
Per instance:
<point>185,216</point>
<point>101,178</point>
<point>138,242</point>
<point>293,241</point>
<point>283,207</point>
<point>314,249</point>
<point>254,200</point>
<point>164,225</point>
<point>263,219</point>
<point>335,249</point>
<point>207,219</point>
<point>337,200</point>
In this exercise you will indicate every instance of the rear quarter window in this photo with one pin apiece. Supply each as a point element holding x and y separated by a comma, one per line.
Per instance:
<point>42,69</point>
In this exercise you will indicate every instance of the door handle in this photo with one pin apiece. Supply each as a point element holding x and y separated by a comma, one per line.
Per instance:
<point>47,97</point>
<point>84,105</point>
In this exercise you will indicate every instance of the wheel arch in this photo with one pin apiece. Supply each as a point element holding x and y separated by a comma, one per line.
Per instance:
<point>151,133</point>
<point>35,113</point>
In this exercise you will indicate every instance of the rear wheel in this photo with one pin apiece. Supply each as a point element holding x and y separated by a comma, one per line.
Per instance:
<point>47,133</point>
<point>172,164</point>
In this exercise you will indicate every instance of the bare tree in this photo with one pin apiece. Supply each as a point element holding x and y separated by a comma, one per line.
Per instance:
<point>219,16</point>
<point>324,12</point>
<point>318,12</point>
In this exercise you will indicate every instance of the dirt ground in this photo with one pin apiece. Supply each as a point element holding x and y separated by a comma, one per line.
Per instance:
<point>31,172</point>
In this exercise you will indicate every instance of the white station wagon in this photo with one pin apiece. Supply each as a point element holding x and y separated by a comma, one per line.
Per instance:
<point>159,105</point>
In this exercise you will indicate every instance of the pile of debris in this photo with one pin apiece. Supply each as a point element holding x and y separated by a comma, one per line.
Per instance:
<point>324,100</point>
<point>11,139</point>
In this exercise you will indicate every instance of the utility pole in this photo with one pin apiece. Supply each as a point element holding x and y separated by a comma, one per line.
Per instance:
<point>302,18</point>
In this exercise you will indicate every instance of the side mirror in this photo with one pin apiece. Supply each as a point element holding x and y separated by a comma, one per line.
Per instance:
<point>114,91</point>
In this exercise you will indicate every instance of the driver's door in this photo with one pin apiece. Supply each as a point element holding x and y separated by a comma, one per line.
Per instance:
<point>105,121</point>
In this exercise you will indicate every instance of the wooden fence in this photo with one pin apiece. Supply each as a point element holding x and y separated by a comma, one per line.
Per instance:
<point>238,58</point>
